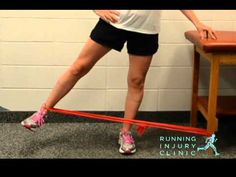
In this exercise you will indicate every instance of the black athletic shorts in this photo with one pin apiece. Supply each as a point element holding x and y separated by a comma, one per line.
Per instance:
<point>114,38</point>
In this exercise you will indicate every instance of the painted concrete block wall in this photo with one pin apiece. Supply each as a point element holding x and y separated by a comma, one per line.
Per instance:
<point>36,47</point>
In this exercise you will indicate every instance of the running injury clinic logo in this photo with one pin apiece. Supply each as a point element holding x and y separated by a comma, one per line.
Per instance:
<point>183,146</point>
<point>210,144</point>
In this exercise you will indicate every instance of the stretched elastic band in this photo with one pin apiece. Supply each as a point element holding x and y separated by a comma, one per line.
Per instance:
<point>142,125</point>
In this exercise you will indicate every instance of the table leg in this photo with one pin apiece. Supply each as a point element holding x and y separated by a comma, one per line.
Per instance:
<point>195,83</point>
<point>212,121</point>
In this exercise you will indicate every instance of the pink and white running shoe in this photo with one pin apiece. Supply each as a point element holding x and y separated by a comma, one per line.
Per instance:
<point>37,120</point>
<point>127,144</point>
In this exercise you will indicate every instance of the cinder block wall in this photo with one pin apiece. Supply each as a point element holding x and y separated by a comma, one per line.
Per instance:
<point>37,46</point>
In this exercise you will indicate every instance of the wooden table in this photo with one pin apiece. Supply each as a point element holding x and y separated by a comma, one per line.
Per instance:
<point>218,52</point>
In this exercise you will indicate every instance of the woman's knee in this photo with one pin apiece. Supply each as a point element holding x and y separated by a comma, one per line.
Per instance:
<point>136,82</point>
<point>79,69</point>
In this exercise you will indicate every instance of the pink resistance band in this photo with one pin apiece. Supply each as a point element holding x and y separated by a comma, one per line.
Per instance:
<point>142,125</point>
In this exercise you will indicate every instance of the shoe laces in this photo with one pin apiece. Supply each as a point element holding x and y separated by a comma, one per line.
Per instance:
<point>127,137</point>
<point>39,117</point>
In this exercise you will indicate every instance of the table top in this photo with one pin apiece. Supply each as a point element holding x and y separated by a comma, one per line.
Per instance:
<point>225,42</point>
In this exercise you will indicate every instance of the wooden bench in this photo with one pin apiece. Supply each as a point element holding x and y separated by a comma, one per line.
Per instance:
<point>218,52</point>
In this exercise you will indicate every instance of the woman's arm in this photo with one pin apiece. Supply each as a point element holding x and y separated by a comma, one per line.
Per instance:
<point>204,31</point>
<point>108,15</point>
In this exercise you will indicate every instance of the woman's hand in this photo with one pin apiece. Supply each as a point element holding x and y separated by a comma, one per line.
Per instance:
<point>108,15</point>
<point>205,31</point>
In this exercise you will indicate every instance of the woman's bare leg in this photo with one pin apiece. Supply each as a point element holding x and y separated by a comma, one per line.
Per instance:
<point>88,57</point>
<point>139,66</point>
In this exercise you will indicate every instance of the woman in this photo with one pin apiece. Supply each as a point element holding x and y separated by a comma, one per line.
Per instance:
<point>140,29</point>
